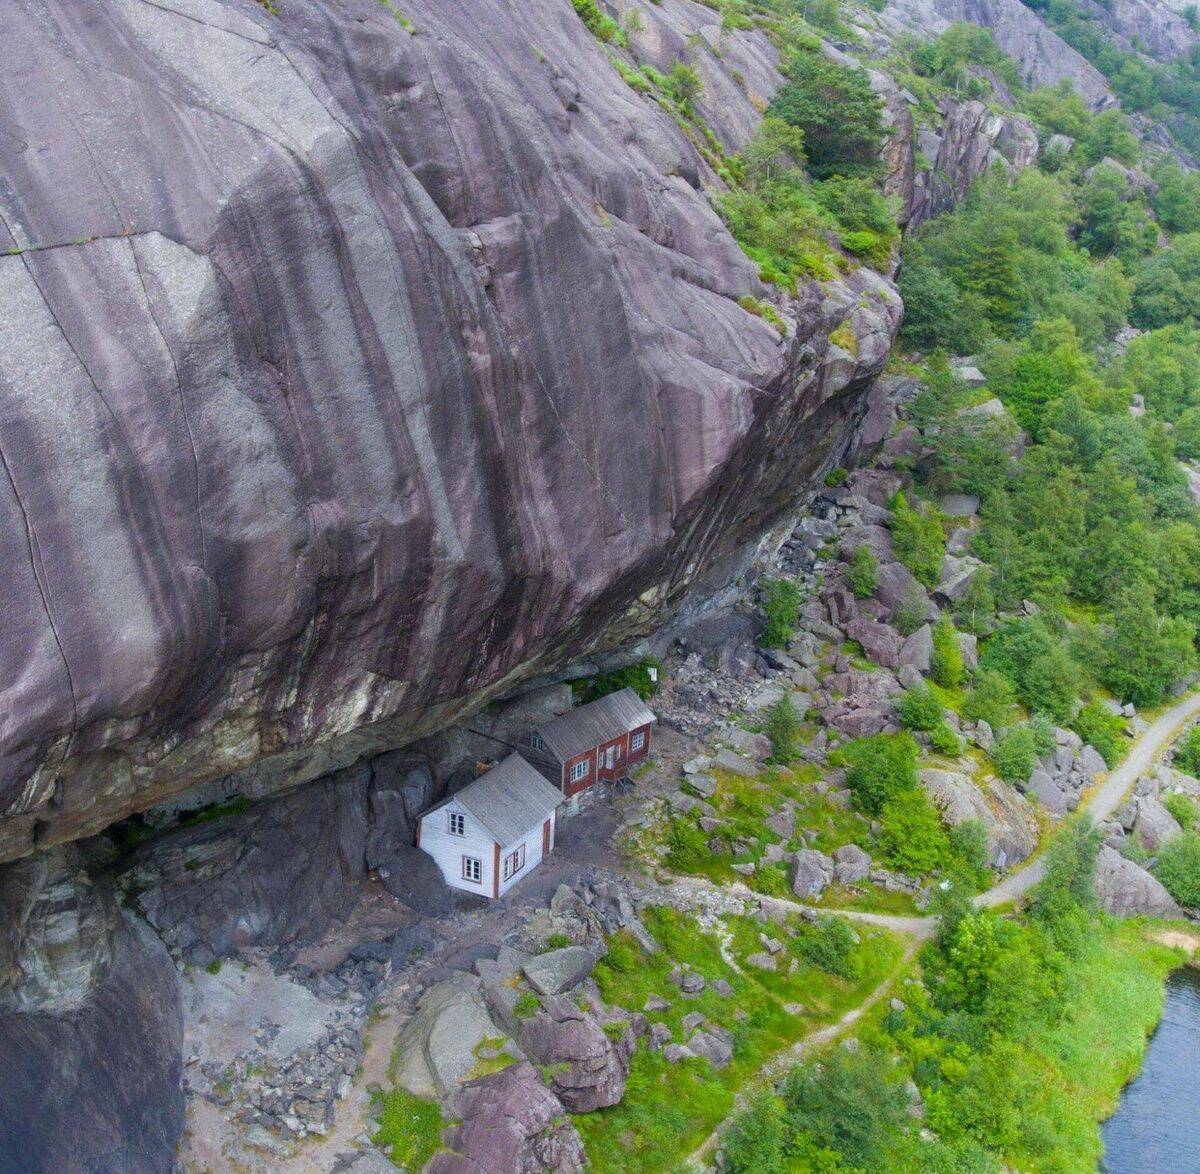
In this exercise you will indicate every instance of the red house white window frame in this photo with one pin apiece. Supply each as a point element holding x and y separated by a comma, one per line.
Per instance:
<point>637,741</point>
<point>580,770</point>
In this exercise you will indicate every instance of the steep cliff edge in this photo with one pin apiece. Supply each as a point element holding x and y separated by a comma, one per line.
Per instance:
<point>356,368</point>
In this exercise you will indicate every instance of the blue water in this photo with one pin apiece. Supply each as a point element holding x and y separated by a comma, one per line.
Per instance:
<point>1156,1128</point>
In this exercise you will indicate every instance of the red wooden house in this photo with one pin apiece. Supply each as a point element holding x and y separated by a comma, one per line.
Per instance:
<point>599,741</point>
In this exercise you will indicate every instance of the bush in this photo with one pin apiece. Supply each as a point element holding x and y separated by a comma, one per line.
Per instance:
<point>851,1102</point>
<point>1187,753</point>
<point>781,606</point>
<point>687,846</point>
<point>990,700</point>
<point>1102,730</point>
<point>1183,809</point>
<point>1043,674</point>
<point>601,26</point>
<point>754,1143</point>
<point>1015,755</point>
<point>410,1128</point>
<point>1178,867</point>
<point>782,725</point>
<point>829,946</point>
<point>863,572</point>
<point>946,664</point>
<point>912,837</point>
<point>910,615</point>
<point>879,768</point>
<point>641,677</point>
<point>919,709</point>
<point>945,741</point>
<point>919,540</point>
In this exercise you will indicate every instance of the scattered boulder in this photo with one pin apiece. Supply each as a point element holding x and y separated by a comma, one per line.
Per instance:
<point>1091,761</point>
<point>1153,824</point>
<point>726,759</point>
<point>879,642</point>
<point>559,970</point>
<point>917,650</point>
<point>850,864</point>
<point>762,960</point>
<point>810,874</point>
<point>715,1044</point>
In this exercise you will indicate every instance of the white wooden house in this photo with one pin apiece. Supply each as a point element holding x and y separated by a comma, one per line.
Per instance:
<point>494,831</point>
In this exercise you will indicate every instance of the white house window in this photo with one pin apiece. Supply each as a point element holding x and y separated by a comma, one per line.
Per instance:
<point>472,869</point>
<point>637,741</point>
<point>514,862</point>
<point>580,770</point>
<point>537,741</point>
<point>458,824</point>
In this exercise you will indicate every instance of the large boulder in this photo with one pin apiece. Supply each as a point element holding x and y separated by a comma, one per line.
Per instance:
<point>587,1068</point>
<point>321,445</point>
<point>850,864</point>
<point>917,650</point>
<point>559,970</point>
<point>880,642</point>
<point>91,1028</point>
<point>509,1121</point>
<point>810,874</point>
<point>1153,824</point>
<point>1126,889</point>
<point>438,1048</point>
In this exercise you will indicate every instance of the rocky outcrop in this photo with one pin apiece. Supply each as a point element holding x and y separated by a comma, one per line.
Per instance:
<point>91,1029</point>
<point>929,167</point>
<point>1147,26</point>
<point>510,1121</point>
<point>355,370</point>
<point>1045,58</point>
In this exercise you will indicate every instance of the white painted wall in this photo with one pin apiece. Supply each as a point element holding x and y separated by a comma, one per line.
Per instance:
<point>533,855</point>
<point>449,850</point>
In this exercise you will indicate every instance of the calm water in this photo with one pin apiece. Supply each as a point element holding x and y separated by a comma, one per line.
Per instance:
<point>1156,1128</point>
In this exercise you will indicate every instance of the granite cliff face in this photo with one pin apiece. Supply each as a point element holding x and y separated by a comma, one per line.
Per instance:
<point>355,370</point>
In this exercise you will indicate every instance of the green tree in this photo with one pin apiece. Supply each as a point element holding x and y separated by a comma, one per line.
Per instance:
<point>918,538</point>
<point>863,572</point>
<point>879,767</point>
<point>1178,867</point>
<point>782,726</point>
<point>838,112</point>
<point>781,607</point>
<point>912,837</point>
<point>1015,755</point>
<point>1148,653</point>
<point>946,663</point>
<point>991,699</point>
<point>918,709</point>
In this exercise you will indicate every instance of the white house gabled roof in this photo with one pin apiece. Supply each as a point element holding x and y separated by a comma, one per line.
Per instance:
<point>599,721</point>
<point>509,801</point>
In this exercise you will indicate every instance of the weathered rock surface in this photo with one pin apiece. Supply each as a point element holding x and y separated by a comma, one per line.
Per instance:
<point>1125,889</point>
<point>510,1121</point>
<point>1004,813</point>
<point>91,1029</point>
<point>587,1068</point>
<point>436,1051</point>
<point>556,971</point>
<point>810,873</point>
<point>353,374</point>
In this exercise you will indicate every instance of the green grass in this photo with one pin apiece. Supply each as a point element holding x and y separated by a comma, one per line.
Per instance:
<point>669,1109</point>
<point>1097,1047</point>
<point>410,1128</point>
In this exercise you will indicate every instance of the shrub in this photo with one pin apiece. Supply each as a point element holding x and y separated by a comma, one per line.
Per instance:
<point>687,846</point>
<point>880,767</point>
<point>781,606</point>
<point>1101,729</point>
<point>990,700</point>
<point>1178,867</point>
<point>1043,674</point>
<point>851,1102</point>
<point>410,1128</point>
<point>829,945</point>
<point>945,741</point>
<point>641,677</point>
<point>1187,753</point>
<point>919,709</point>
<point>1183,809</point>
<point>601,26</point>
<point>754,1142</point>
<point>910,615</point>
<point>911,835</point>
<point>946,664</point>
<point>1042,729</point>
<point>1015,755</point>
<point>969,846</point>
<point>782,725</point>
<point>863,572</point>
<point>919,540</point>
